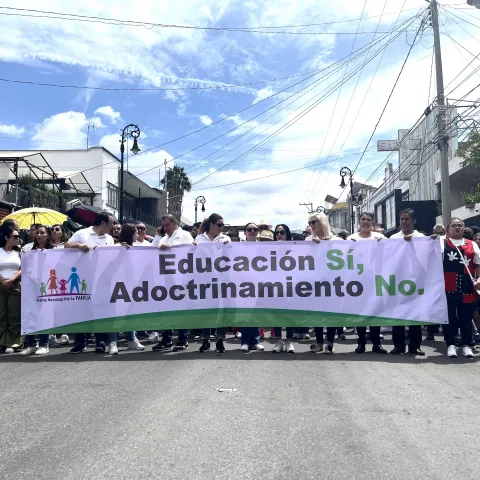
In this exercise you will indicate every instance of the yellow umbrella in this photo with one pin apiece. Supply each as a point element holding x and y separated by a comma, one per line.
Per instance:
<point>27,216</point>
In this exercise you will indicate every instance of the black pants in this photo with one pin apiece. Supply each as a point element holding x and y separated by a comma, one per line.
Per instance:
<point>433,329</point>
<point>330,334</point>
<point>374,335</point>
<point>414,334</point>
<point>459,316</point>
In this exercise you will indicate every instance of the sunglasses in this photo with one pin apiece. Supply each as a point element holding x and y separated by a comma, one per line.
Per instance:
<point>312,222</point>
<point>220,225</point>
<point>140,229</point>
<point>252,230</point>
<point>280,232</point>
<point>263,227</point>
<point>16,237</point>
<point>56,229</point>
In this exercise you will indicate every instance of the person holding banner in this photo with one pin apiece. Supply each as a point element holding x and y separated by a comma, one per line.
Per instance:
<point>85,240</point>
<point>251,335</point>
<point>321,230</point>
<point>367,233</point>
<point>407,232</point>
<point>211,232</point>
<point>174,235</point>
<point>461,264</point>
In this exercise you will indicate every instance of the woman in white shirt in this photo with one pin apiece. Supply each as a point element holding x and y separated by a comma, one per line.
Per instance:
<point>321,230</point>
<point>211,232</point>
<point>59,236</point>
<point>10,290</point>
<point>367,233</point>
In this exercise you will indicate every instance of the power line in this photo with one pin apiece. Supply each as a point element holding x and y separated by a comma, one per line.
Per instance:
<point>386,104</point>
<point>133,23</point>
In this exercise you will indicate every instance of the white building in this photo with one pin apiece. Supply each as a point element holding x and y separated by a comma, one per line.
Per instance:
<point>91,176</point>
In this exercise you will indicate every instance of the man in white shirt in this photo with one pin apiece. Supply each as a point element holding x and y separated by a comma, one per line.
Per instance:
<point>141,241</point>
<point>33,234</point>
<point>174,235</point>
<point>407,232</point>
<point>85,240</point>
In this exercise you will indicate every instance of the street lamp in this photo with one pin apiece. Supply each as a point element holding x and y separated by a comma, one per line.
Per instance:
<point>202,201</point>
<point>346,172</point>
<point>320,209</point>
<point>134,132</point>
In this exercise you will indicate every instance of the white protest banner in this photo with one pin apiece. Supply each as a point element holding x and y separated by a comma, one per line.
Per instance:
<point>333,283</point>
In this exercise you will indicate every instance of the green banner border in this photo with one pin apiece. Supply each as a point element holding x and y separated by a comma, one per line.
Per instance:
<point>215,318</point>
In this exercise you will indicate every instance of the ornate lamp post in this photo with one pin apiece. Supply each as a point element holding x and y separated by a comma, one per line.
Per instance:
<point>199,200</point>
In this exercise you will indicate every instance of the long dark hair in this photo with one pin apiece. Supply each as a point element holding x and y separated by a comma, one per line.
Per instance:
<point>7,232</point>
<point>213,218</point>
<point>48,245</point>
<point>287,231</point>
<point>127,233</point>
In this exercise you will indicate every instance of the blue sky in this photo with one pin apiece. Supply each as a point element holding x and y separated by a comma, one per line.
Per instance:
<point>58,51</point>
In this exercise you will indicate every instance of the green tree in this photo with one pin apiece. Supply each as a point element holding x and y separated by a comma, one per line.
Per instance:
<point>178,183</point>
<point>469,152</point>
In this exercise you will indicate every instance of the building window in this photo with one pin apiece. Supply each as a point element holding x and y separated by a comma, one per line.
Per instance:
<point>406,196</point>
<point>112,199</point>
<point>390,212</point>
<point>378,214</point>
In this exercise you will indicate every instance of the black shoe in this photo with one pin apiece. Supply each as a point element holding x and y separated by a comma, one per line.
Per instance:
<point>430,337</point>
<point>180,346</point>
<point>3,348</point>
<point>378,349</point>
<point>100,348</point>
<point>162,346</point>
<point>417,351</point>
<point>220,347</point>
<point>205,346</point>
<point>360,348</point>
<point>397,351</point>
<point>78,348</point>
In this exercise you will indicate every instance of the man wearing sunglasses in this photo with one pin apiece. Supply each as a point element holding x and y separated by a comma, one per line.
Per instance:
<point>141,240</point>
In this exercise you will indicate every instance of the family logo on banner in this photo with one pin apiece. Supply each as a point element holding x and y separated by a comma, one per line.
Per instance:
<point>333,283</point>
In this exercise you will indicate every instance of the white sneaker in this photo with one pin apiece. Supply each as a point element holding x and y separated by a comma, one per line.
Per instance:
<point>244,348</point>
<point>452,351</point>
<point>9,350</point>
<point>112,349</point>
<point>290,348</point>
<point>306,336</point>
<point>135,345</point>
<point>279,347</point>
<point>259,347</point>
<point>64,340</point>
<point>42,350</point>
<point>467,351</point>
<point>153,337</point>
<point>238,335</point>
<point>29,351</point>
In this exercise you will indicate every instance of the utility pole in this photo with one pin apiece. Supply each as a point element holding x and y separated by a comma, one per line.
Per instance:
<point>441,118</point>
<point>310,210</point>
<point>166,186</point>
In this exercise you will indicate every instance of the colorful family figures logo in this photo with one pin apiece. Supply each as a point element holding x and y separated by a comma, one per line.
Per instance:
<point>55,287</point>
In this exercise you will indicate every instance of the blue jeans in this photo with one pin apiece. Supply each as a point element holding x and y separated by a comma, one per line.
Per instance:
<point>250,335</point>
<point>278,332</point>
<point>182,336</point>
<point>31,340</point>
<point>112,337</point>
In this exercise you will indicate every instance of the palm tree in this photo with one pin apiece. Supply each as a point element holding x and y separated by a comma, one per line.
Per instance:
<point>177,184</point>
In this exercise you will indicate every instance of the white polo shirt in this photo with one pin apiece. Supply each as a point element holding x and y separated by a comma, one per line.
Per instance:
<point>178,237</point>
<point>204,238</point>
<point>400,234</point>
<point>88,236</point>
<point>145,243</point>
<point>373,236</point>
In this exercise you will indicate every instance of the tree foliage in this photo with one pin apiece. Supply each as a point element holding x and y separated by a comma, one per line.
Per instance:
<point>178,183</point>
<point>470,155</point>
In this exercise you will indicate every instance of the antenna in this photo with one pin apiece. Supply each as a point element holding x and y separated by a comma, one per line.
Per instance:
<point>90,126</point>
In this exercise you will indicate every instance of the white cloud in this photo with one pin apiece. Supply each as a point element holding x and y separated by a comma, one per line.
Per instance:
<point>11,130</point>
<point>67,127</point>
<point>206,120</point>
<point>110,113</point>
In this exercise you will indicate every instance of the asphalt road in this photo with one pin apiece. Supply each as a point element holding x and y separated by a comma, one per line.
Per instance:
<point>159,415</point>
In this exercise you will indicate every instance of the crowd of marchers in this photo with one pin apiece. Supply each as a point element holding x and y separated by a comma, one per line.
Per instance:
<point>460,248</point>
